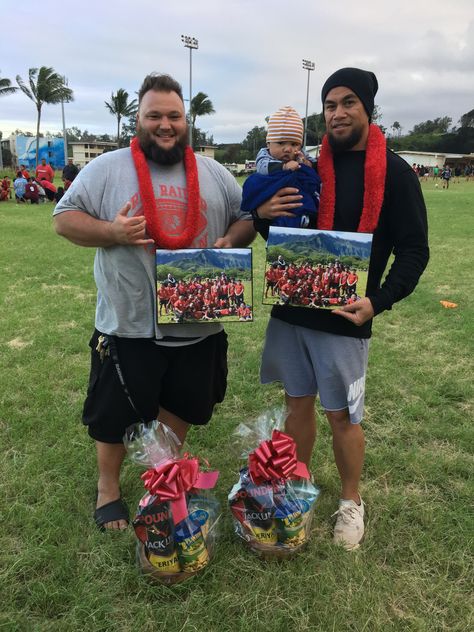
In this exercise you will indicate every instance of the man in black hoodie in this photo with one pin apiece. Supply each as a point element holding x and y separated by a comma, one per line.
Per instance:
<point>369,189</point>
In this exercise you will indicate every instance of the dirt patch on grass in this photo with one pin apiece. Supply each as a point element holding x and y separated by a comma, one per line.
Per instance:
<point>84,296</point>
<point>18,344</point>
<point>57,288</point>
<point>67,325</point>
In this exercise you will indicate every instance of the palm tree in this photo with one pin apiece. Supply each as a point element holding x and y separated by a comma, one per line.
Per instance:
<point>396,126</point>
<point>6,87</point>
<point>200,105</point>
<point>120,107</point>
<point>45,86</point>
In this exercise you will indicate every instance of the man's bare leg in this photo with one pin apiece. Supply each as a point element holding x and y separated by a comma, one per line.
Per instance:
<point>301,425</point>
<point>349,448</point>
<point>177,425</point>
<point>110,457</point>
<point>109,462</point>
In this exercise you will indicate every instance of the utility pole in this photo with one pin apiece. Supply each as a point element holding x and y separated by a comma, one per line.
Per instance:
<point>64,126</point>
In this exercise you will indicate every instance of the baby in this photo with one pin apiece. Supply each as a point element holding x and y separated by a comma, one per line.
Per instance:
<point>282,163</point>
<point>284,140</point>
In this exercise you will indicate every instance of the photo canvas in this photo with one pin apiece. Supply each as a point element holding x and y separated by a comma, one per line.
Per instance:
<point>202,285</point>
<point>315,269</point>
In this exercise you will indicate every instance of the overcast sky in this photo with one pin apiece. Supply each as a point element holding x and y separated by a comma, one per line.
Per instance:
<point>249,57</point>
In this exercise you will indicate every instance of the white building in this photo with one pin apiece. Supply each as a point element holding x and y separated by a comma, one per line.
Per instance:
<point>313,150</point>
<point>426,158</point>
<point>85,151</point>
<point>206,150</point>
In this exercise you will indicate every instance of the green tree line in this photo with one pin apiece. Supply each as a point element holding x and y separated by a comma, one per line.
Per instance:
<point>431,135</point>
<point>313,258</point>
<point>205,273</point>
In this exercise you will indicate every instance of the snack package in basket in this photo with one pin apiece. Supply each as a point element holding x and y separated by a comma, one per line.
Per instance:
<point>273,502</point>
<point>176,519</point>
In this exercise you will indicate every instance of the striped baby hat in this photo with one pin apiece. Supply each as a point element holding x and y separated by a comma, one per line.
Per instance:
<point>285,124</point>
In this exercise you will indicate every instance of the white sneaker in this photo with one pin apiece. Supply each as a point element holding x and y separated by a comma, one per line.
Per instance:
<point>349,528</point>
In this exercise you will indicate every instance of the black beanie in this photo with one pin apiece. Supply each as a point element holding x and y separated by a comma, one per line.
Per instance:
<point>362,82</point>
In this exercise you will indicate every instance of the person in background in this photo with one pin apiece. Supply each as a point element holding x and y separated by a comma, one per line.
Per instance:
<point>19,185</point>
<point>44,171</point>
<point>59,194</point>
<point>70,171</point>
<point>49,188</point>
<point>446,175</point>
<point>5,189</point>
<point>31,191</point>
<point>41,192</point>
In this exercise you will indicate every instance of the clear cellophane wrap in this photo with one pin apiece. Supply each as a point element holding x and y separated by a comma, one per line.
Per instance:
<point>176,519</point>
<point>273,502</point>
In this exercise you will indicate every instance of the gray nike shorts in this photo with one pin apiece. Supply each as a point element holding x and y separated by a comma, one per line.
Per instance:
<point>308,362</point>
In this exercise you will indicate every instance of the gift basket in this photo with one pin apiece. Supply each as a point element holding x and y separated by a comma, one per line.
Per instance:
<point>273,502</point>
<point>176,519</point>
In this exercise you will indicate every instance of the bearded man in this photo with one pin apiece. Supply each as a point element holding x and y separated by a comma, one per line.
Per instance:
<point>369,189</point>
<point>125,203</point>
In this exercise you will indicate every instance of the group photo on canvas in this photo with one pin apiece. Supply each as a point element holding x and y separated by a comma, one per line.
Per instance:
<point>203,285</point>
<point>311,268</point>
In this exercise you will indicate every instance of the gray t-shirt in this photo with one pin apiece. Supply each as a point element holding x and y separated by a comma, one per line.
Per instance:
<point>125,275</point>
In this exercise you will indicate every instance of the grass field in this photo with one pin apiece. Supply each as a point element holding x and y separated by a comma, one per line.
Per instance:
<point>414,571</point>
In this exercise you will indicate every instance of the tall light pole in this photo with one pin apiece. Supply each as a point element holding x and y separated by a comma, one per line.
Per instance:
<point>309,66</point>
<point>64,126</point>
<point>190,42</point>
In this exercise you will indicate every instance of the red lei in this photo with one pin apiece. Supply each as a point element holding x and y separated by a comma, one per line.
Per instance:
<point>147,194</point>
<point>375,169</point>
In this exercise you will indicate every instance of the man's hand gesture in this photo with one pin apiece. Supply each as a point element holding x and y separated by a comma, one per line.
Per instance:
<point>129,231</point>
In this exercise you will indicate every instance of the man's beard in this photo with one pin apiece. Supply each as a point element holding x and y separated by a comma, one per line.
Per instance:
<point>159,155</point>
<point>345,144</point>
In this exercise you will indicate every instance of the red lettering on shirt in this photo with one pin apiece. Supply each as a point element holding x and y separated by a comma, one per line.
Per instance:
<point>135,199</point>
<point>172,213</point>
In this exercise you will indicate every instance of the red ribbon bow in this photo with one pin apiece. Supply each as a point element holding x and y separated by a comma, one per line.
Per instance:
<point>172,479</point>
<point>276,458</point>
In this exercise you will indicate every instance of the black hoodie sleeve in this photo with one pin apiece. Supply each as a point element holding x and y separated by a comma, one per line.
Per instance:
<point>403,232</point>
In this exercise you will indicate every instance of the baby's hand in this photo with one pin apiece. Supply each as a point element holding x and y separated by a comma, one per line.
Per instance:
<point>291,165</point>
<point>301,158</point>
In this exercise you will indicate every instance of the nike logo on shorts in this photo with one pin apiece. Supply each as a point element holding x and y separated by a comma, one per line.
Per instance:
<point>355,394</point>
<point>353,407</point>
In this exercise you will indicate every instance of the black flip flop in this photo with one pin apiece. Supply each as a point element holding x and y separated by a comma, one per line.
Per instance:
<point>110,512</point>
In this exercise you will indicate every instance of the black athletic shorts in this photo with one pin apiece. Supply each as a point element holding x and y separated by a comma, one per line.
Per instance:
<point>187,381</point>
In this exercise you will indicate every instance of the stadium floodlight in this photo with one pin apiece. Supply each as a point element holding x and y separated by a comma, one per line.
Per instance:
<point>309,66</point>
<point>191,43</point>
